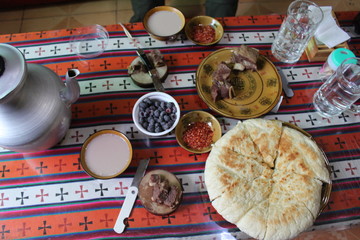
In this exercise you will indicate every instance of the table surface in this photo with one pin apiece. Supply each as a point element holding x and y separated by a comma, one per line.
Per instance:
<point>48,195</point>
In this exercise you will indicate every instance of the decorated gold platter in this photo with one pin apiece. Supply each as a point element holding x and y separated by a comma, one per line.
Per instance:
<point>256,92</point>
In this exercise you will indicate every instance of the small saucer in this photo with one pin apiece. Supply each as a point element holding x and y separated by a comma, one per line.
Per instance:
<point>146,192</point>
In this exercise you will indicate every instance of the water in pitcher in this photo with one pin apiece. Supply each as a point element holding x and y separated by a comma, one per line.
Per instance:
<point>336,95</point>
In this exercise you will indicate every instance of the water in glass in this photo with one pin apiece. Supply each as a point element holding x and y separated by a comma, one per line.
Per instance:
<point>296,30</point>
<point>339,92</point>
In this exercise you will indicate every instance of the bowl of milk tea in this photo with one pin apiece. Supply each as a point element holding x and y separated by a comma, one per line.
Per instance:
<point>106,154</point>
<point>164,22</point>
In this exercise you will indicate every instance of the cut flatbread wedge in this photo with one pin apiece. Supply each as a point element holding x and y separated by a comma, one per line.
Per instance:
<point>246,167</point>
<point>217,179</point>
<point>300,154</point>
<point>238,140</point>
<point>266,135</point>
<point>286,216</point>
<point>242,196</point>
<point>304,189</point>
<point>254,222</point>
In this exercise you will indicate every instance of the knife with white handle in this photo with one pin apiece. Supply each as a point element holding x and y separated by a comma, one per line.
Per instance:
<point>130,197</point>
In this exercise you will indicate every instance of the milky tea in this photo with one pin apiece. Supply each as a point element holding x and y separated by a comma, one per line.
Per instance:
<point>164,23</point>
<point>107,155</point>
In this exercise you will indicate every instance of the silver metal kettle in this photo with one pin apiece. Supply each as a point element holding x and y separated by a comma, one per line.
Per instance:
<point>35,104</point>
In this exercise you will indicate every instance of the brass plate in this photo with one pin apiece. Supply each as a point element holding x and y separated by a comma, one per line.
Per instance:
<point>257,92</point>
<point>326,187</point>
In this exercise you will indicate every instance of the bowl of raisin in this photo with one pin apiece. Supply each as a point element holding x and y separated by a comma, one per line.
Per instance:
<point>156,113</point>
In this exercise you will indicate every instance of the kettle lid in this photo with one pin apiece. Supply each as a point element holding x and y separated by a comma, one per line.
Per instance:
<point>12,69</point>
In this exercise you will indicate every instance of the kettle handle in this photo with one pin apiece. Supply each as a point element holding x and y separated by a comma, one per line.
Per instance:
<point>72,90</point>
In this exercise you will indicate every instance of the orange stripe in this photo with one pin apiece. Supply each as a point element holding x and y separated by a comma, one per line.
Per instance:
<point>51,164</point>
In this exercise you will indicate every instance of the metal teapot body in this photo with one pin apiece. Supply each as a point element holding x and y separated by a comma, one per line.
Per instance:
<point>35,111</point>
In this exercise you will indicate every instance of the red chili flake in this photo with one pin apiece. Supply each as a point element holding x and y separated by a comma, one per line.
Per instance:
<point>198,135</point>
<point>203,34</point>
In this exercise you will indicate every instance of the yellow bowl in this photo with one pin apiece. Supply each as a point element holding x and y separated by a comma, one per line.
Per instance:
<point>106,154</point>
<point>159,24</point>
<point>204,21</point>
<point>197,116</point>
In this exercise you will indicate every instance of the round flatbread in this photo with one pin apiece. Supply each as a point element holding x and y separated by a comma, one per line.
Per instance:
<point>266,178</point>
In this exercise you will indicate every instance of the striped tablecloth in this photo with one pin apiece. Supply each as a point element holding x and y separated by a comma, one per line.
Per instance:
<point>48,195</point>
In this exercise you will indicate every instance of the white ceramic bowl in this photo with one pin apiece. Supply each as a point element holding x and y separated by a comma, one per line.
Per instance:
<point>155,96</point>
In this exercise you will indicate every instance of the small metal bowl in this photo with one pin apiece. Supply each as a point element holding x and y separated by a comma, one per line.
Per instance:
<point>103,154</point>
<point>204,21</point>
<point>153,14</point>
<point>197,116</point>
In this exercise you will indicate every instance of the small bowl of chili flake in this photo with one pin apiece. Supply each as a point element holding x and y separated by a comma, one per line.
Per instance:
<point>204,30</point>
<point>197,131</point>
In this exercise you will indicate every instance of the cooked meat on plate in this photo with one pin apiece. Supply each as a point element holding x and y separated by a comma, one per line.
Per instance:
<point>243,58</point>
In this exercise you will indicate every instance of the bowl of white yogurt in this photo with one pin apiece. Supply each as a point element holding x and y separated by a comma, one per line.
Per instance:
<point>106,154</point>
<point>164,22</point>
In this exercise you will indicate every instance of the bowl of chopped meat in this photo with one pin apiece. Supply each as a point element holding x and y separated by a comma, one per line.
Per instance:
<point>197,131</point>
<point>204,30</point>
<point>156,113</point>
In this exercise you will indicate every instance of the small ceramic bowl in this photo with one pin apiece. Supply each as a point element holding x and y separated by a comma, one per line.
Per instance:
<point>106,154</point>
<point>204,21</point>
<point>153,96</point>
<point>197,116</point>
<point>164,22</point>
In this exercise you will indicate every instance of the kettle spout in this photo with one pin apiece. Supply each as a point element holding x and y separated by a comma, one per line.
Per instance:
<point>72,90</point>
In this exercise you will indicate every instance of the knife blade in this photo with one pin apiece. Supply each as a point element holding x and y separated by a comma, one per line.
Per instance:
<point>285,84</point>
<point>151,70</point>
<point>146,61</point>
<point>130,197</point>
<point>127,33</point>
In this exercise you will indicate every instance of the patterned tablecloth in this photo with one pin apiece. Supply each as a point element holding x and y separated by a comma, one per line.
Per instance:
<point>48,195</point>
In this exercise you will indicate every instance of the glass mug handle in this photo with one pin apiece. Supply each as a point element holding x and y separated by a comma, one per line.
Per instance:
<point>355,108</point>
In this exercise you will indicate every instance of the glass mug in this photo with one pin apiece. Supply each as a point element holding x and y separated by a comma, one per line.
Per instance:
<point>340,91</point>
<point>90,41</point>
<point>303,17</point>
